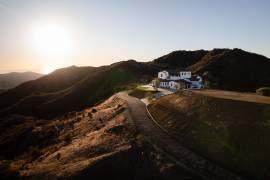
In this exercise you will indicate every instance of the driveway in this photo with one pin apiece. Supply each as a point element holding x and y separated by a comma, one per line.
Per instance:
<point>188,160</point>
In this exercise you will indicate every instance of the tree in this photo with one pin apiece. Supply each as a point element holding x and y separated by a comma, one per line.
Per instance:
<point>156,83</point>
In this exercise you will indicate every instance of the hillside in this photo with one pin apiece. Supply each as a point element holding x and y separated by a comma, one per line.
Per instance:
<point>81,145</point>
<point>234,69</point>
<point>70,89</point>
<point>75,88</point>
<point>2,90</point>
<point>229,128</point>
<point>11,80</point>
<point>178,59</point>
<point>228,69</point>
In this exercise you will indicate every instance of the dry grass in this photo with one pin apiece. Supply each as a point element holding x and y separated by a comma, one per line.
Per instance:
<point>91,144</point>
<point>231,130</point>
<point>232,95</point>
<point>82,141</point>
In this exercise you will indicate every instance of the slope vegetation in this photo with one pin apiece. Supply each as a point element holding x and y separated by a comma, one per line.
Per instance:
<point>228,69</point>
<point>95,143</point>
<point>178,59</point>
<point>70,89</point>
<point>229,128</point>
<point>75,88</point>
<point>234,69</point>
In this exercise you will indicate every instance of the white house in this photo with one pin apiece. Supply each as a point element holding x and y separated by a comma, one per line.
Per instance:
<point>174,76</point>
<point>185,74</point>
<point>179,80</point>
<point>163,75</point>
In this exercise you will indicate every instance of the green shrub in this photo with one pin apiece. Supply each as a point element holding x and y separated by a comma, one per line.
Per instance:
<point>264,91</point>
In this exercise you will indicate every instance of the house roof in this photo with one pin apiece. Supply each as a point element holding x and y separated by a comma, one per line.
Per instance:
<point>184,80</point>
<point>175,72</point>
<point>164,80</point>
<point>181,80</point>
<point>172,71</point>
<point>194,78</point>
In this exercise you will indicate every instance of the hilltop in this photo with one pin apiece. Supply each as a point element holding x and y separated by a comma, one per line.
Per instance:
<point>235,69</point>
<point>70,89</point>
<point>75,88</point>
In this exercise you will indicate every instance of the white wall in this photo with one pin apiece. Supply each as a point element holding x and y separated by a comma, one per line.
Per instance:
<point>163,75</point>
<point>164,84</point>
<point>174,85</point>
<point>175,77</point>
<point>185,74</point>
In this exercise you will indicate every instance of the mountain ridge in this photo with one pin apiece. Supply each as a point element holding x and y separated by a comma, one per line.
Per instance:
<point>13,79</point>
<point>74,88</point>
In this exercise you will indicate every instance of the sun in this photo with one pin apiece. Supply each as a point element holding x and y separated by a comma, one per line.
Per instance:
<point>47,70</point>
<point>51,40</point>
<point>52,44</point>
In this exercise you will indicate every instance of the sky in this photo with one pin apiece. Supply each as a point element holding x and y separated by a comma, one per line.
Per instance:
<point>42,35</point>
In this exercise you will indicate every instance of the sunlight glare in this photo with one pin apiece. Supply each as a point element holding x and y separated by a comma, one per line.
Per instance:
<point>47,70</point>
<point>51,40</point>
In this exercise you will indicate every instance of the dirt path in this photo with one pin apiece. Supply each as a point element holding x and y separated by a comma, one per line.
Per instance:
<point>180,155</point>
<point>232,95</point>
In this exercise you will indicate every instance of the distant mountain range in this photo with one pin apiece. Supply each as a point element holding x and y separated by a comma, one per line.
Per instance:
<point>11,80</point>
<point>74,88</point>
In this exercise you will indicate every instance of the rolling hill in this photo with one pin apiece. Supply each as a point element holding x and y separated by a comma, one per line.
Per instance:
<point>234,69</point>
<point>39,128</point>
<point>178,59</point>
<point>229,128</point>
<point>11,80</point>
<point>71,89</point>
<point>74,88</point>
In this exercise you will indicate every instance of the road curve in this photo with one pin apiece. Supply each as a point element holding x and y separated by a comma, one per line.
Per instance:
<point>188,160</point>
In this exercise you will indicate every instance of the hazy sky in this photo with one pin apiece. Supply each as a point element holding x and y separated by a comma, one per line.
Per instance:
<point>41,35</point>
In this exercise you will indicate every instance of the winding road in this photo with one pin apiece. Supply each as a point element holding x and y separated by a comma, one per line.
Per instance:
<point>185,158</point>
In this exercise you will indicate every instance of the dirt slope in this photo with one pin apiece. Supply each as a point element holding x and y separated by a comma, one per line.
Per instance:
<point>233,132</point>
<point>96,143</point>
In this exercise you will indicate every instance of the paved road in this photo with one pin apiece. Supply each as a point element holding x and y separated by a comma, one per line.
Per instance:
<point>162,92</point>
<point>182,156</point>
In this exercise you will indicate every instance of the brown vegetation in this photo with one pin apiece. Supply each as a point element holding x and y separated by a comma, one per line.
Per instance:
<point>264,91</point>
<point>79,146</point>
<point>235,69</point>
<point>229,128</point>
<point>75,88</point>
